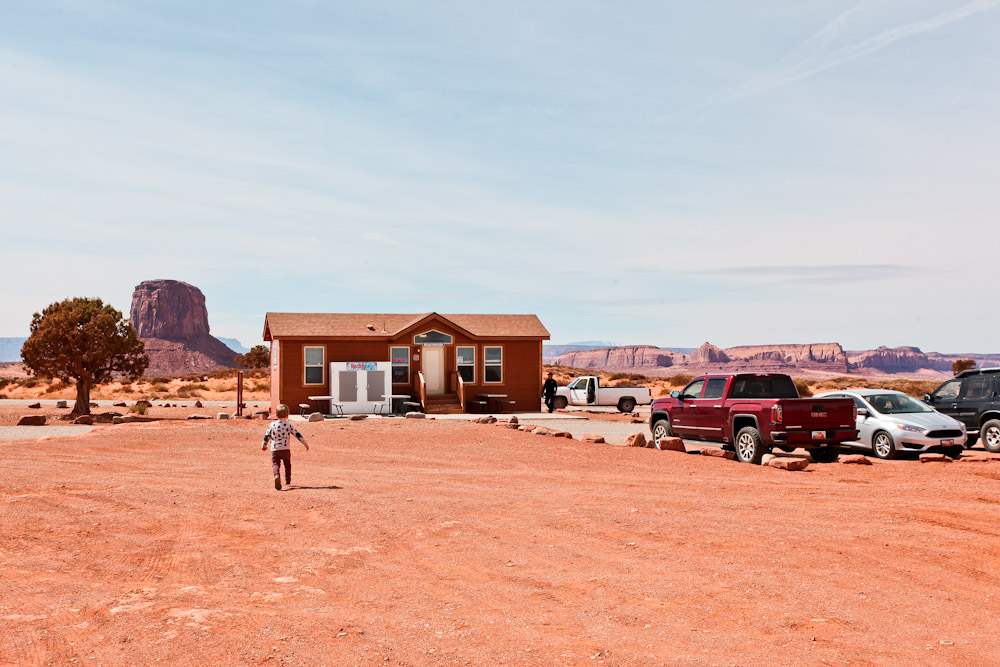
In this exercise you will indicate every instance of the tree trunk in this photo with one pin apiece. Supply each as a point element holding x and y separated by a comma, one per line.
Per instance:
<point>82,406</point>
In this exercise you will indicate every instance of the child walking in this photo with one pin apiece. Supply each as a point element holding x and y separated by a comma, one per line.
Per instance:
<point>280,434</point>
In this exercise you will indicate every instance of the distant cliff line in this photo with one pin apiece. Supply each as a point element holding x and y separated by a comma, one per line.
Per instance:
<point>814,359</point>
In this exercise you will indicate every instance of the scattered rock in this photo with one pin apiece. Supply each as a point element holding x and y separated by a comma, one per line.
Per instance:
<point>932,457</point>
<point>541,430</point>
<point>61,404</point>
<point>672,444</point>
<point>636,440</point>
<point>261,413</point>
<point>788,463</point>
<point>973,458</point>
<point>859,459</point>
<point>120,404</point>
<point>35,405</point>
<point>718,452</point>
<point>93,404</point>
<point>513,420</point>
<point>591,437</point>
<point>222,415</point>
<point>415,415</point>
<point>767,458</point>
<point>166,405</point>
<point>31,420</point>
<point>197,416</point>
<point>489,419</point>
<point>355,418</point>
<point>638,420</point>
<point>198,404</point>
<point>86,420</point>
<point>122,419</point>
<point>513,425</point>
<point>318,417</point>
<point>560,434</point>
<point>144,402</point>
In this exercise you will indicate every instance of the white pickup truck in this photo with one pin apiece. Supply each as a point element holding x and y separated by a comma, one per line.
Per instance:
<point>587,390</point>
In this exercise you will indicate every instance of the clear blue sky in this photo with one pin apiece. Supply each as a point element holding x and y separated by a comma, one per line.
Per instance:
<point>639,172</point>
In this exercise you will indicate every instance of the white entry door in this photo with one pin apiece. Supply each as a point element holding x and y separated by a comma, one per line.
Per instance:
<point>433,367</point>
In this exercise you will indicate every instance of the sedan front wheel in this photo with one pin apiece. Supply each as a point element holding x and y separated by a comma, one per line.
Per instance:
<point>883,446</point>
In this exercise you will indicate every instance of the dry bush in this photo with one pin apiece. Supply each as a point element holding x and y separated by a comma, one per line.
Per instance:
<point>159,387</point>
<point>679,380</point>
<point>138,408</point>
<point>803,387</point>
<point>30,383</point>
<point>193,387</point>
<point>261,386</point>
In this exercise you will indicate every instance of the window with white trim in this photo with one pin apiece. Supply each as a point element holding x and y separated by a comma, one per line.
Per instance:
<point>492,363</point>
<point>400,357</point>
<point>312,358</point>
<point>465,361</point>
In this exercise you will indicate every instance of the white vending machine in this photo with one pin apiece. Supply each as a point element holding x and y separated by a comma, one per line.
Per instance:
<point>361,387</point>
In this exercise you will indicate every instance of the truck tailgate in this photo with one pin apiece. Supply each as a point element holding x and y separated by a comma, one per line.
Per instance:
<point>817,413</point>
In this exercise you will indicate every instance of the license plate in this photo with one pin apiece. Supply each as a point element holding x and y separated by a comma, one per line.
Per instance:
<point>819,435</point>
<point>949,441</point>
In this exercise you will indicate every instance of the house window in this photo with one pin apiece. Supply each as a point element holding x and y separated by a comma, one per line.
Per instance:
<point>431,337</point>
<point>400,357</point>
<point>465,360</point>
<point>313,359</point>
<point>493,363</point>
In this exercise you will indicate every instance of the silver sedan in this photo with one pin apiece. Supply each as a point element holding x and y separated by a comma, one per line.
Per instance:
<point>891,422</point>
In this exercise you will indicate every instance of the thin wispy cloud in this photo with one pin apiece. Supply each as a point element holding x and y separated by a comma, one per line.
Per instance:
<point>839,274</point>
<point>816,54</point>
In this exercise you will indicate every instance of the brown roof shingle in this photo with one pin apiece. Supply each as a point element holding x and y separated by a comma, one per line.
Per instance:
<point>282,325</point>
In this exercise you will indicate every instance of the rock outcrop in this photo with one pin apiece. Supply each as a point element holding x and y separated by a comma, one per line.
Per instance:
<point>896,360</point>
<point>708,354</point>
<point>171,318</point>
<point>817,356</point>
<point>633,356</point>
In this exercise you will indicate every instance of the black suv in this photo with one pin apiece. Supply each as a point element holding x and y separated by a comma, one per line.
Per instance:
<point>972,398</point>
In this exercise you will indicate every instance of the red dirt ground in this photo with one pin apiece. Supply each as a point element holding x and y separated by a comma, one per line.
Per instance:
<point>436,543</point>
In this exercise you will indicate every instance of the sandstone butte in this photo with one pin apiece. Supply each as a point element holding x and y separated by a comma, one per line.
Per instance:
<point>171,318</point>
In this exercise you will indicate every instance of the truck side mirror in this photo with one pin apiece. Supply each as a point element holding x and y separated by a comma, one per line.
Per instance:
<point>862,412</point>
<point>675,394</point>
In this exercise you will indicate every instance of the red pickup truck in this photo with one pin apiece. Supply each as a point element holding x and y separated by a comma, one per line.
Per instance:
<point>753,412</point>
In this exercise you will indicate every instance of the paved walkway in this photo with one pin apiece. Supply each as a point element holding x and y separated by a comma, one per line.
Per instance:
<point>36,432</point>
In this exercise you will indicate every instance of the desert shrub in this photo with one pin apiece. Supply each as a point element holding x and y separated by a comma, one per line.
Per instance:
<point>138,408</point>
<point>679,380</point>
<point>3,397</point>
<point>159,387</point>
<point>193,387</point>
<point>4,382</point>
<point>261,386</point>
<point>804,389</point>
<point>30,383</point>
<point>184,392</point>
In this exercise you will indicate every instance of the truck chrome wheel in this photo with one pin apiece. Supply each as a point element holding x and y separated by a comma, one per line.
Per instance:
<point>991,436</point>
<point>661,430</point>
<point>749,445</point>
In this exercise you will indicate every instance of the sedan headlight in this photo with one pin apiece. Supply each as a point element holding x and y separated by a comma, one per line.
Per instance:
<point>962,424</point>
<point>909,427</point>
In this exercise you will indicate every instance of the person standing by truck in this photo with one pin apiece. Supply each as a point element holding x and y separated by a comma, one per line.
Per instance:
<point>549,393</point>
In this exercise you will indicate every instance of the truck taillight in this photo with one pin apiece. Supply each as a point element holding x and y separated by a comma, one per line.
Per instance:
<point>776,415</point>
<point>855,412</point>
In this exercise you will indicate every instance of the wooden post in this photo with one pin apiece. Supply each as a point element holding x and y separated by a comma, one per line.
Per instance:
<point>239,393</point>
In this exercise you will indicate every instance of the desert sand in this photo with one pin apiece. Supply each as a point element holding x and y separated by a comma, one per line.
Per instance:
<point>439,542</point>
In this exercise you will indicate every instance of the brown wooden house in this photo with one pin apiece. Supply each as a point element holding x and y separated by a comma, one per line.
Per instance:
<point>449,363</point>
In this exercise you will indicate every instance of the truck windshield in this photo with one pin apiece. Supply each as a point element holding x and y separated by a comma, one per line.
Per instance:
<point>776,386</point>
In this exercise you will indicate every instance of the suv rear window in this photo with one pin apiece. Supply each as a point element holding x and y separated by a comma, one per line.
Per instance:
<point>764,387</point>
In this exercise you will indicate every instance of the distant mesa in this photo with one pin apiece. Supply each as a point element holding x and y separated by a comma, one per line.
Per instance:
<point>171,318</point>
<point>816,359</point>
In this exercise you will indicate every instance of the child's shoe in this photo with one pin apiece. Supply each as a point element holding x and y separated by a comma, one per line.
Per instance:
<point>277,482</point>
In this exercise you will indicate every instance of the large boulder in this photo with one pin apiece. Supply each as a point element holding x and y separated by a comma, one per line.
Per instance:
<point>672,444</point>
<point>636,440</point>
<point>788,463</point>
<point>718,452</point>
<point>31,420</point>
<point>86,420</point>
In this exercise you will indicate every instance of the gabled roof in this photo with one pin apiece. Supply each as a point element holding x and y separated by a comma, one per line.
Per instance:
<point>386,325</point>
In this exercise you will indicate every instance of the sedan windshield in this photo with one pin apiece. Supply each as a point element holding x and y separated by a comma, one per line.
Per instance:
<point>895,404</point>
